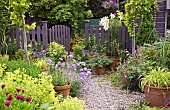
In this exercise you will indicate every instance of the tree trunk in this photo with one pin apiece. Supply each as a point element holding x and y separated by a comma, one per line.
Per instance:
<point>25,39</point>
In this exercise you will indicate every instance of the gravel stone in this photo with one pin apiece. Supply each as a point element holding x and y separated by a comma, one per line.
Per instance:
<point>103,96</point>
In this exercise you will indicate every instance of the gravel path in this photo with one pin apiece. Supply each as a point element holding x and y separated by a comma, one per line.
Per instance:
<point>103,96</point>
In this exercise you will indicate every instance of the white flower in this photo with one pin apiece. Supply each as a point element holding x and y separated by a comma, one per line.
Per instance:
<point>78,64</point>
<point>105,22</point>
<point>60,59</point>
<point>59,63</point>
<point>85,69</point>
<point>83,63</point>
<point>112,16</point>
<point>70,56</point>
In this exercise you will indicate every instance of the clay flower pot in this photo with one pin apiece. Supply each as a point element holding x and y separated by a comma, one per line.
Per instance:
<point>65,90</point>
<point>115,63</point>
<point>157,97</point>
<point>91,56</point>
<point>100,70</point>
<point>102,54</point>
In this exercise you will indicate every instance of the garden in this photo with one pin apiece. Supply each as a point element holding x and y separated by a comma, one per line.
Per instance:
<point>102,70</point>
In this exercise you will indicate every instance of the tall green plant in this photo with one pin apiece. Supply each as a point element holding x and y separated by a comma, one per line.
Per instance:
<point>4,23</point>
<point>19,8</point>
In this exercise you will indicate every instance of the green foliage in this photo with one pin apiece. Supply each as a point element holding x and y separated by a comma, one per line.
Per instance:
<point>136,9</point>
<point>59,79</point>
<point>75,88</point>
<point>158,77</point>
<point>31,69</point>
<point>42,64</point>
<point>2,69</point>
<point>39,89</point>
<point>78,54</point>
<point>99,61</point>
<point>5,24</point>
<point>70,12</point>
<point>132,70</point>
<point>56,51</point>
<point>116,80</point>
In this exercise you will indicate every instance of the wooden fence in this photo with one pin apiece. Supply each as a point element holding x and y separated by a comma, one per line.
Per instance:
<point>123,36</point>
<point>43,35</point>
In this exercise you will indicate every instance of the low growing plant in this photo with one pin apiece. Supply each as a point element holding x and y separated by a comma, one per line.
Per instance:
<point>31,69</point>
<point>99,61</point>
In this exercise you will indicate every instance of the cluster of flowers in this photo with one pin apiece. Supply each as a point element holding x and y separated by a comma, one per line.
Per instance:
<point>41,54</point>
<point>18,97</point>
<point>110,3</point>
<point>83,75</point>
<point>105,21</point>
<point>90,51</point>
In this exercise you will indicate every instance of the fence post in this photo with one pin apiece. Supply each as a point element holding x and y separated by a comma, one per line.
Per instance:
<point>87,30</point>
<point>45,34</point>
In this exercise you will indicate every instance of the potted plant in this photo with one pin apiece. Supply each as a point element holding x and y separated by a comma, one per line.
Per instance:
<point>61,83</point>
<point>99,63</point>
<point>156,86</point>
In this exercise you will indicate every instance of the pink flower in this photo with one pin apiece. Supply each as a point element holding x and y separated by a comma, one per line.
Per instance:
<point>9,98</point>
<point>28,99</point>
<point>167,104</point>
<point>18,89</point>
<point>3,85</point>
<point>7,103</point>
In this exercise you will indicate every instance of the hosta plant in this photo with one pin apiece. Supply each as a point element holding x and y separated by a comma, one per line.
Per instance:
<point>158,77</point>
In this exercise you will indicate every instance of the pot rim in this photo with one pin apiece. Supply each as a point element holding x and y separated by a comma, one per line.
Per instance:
<point>152,87</point>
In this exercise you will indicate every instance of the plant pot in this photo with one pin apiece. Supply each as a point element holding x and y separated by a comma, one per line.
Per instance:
<point>156,96</point>
<point>65,90</point>
<point>45,69</point>
<point>115,63</point>
<point>102,54</point>
<point>91,56</point>
<point>100,70</point>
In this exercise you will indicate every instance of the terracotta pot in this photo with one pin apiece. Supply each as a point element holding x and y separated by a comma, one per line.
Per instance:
<point>157,96</point>
<point>91,56</point>
<point>100,70</point>
<point>65,90</point>
<point>45,69</point>
<point>115,63</point>
<point>102,54</point>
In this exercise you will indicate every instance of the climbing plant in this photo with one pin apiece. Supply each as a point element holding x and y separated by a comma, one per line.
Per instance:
<point>19,8</point>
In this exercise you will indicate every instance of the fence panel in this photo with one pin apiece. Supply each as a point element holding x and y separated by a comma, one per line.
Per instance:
<point>41,34</point>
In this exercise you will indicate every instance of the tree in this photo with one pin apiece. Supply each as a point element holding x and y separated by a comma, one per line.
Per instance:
<point>19,8</point>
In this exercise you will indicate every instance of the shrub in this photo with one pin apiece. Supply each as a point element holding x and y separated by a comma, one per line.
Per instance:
<point>31,69</point>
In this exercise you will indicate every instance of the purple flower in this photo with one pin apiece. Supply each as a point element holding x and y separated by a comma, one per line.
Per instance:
<point>7,103</point>
<point>83,63</point>
<point>28,99</point>
<point>9,98</point>
<point>83,50</point>
<point>49,61</point>
<point>82,74</point>
<point>74,66</point>
<point>70,56</point>
<point>96,53</point>
<point>88,87</point>
<point>86,51</point>
<point>63,64</point>
<point>3,85</point>
<point>88,72</point>
<point>92,48</point>
<point>81,70</point>
<point>18,89</point>
<point>43,52</point>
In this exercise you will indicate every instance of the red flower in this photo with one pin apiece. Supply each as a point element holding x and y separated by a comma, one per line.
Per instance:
<point>18,89</point>
<point>19,97</point>
<point>22,90</point>
<point>9,98</point>
<point>6,93</point>
<point>28,99</point>
<point>3,85</point>
<point>7,103</point>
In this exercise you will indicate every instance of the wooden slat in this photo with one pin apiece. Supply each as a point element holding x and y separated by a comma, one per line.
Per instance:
<point>33,38</point>
<point>97,34</point>
<point>38,35</point>
<point>49,35</point>
<point>91,31</point>
<point>108,41</point>
<point>123,37</point>
<point>53,35</point>
<point>102,36</point>
<point>87,30</point>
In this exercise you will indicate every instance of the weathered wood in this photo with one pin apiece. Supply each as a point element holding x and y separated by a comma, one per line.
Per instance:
<point>44,35</point>
<point>97,34</point>
<point>18,37</point>
<point>102,36</point>
<point>87,30</point>
<point>38,35</point>
<point>167,4</point>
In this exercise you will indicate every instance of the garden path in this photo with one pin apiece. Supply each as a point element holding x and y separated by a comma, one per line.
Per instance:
<point>103,96</point>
